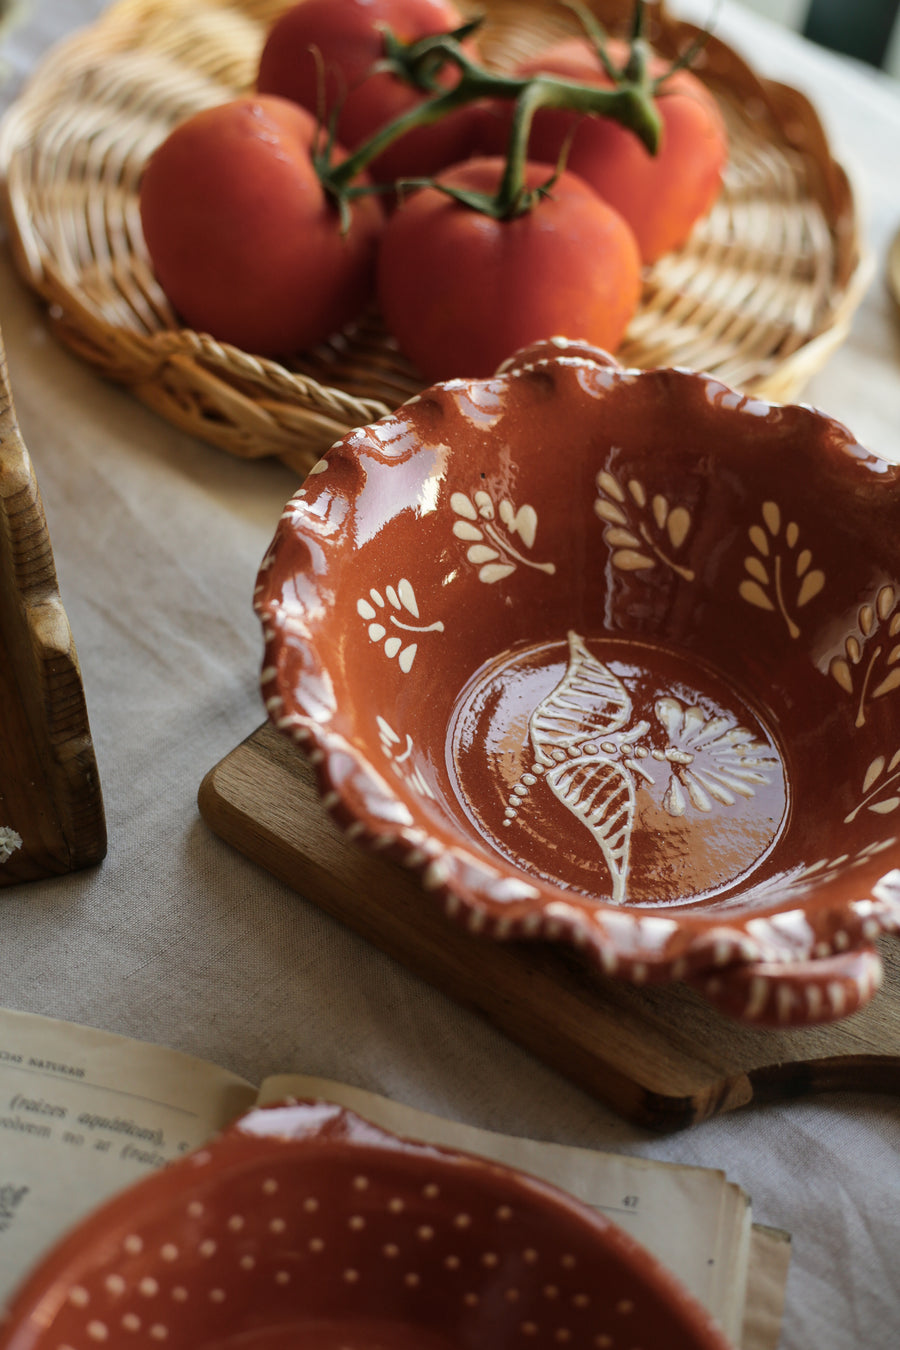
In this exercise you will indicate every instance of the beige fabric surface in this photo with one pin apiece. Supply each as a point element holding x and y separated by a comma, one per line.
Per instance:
<point>178,940</point>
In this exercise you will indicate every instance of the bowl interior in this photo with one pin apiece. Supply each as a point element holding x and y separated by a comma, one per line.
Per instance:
<point>628,635</point>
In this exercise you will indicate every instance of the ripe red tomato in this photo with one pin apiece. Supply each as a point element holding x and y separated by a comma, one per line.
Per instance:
<point>347,35</point>
<point>244,241</point>
<point>462,291</point>
<point>660,196</point>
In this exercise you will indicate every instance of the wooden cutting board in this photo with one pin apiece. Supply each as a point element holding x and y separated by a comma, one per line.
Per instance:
<point>51,807</point>
<point>659,1056</point>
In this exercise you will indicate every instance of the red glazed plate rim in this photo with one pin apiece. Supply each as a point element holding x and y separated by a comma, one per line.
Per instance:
<point>307,1131</point>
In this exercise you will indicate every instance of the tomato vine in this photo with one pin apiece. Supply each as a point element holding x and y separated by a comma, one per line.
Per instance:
<point>630,102</point>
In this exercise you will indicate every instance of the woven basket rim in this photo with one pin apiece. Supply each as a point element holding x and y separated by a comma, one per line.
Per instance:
<point>267,391</point>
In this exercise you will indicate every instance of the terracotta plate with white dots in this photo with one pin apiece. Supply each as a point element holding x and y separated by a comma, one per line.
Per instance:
<point>303,1227</point>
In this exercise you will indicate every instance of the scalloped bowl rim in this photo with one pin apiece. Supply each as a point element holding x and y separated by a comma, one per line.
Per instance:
<point>625,941</point>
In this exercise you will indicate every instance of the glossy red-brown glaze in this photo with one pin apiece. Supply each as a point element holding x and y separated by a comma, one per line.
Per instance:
<point>338,1333</point>
<point>609,656</point>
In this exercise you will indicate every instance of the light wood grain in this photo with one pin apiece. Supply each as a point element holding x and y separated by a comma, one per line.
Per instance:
<point>659,1056</point>
<point>50,798</point>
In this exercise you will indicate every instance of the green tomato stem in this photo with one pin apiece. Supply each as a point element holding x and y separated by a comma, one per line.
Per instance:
<point>336,177</point>
<point>630,103</point>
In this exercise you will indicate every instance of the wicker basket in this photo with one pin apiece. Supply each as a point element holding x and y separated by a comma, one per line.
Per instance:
<point>761,295</point>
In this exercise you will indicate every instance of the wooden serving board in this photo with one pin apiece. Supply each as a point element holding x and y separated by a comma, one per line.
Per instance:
<point>659,1056</point>
<point>51,809</point>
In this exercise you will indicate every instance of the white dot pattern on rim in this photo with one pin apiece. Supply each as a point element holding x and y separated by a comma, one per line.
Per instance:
<point>273,1246</point>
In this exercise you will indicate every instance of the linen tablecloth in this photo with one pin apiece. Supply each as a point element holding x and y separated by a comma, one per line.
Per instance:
<point>177,939</point>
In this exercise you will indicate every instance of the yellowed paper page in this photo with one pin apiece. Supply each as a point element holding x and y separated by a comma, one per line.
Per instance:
<point>770,1256</point>
<point>679,1213</point>
<point>84,1113</point>
<point>728,1275</point>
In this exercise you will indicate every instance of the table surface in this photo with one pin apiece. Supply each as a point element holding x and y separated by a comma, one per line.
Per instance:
<point>177,939</point>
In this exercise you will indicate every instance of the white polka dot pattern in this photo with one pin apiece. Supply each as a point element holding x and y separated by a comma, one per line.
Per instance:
<point>431,1244</point>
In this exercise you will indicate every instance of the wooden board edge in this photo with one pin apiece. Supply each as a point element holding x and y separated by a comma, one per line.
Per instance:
<point>631,1089</point>
<point>261,799</point>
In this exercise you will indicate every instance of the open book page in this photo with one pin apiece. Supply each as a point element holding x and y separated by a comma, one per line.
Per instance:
<point>770,1256</point>
<point>728,1275</point>
<point>84,1113</point>
<point>694,1220</point>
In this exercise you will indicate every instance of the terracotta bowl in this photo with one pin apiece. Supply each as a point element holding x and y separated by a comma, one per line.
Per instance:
<point>304,1227</point>
<point>611,657</point>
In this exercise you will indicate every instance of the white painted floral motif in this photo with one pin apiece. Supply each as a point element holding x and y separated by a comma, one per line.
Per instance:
<point>641,530</point>
<point>489,534</point>
<point>10,840</point>
<point>875,659</point>
<point>384,614</point>
<point>711,758</point>
<point>399,751</point>
<point>779,578</point>
<point>594,757</point>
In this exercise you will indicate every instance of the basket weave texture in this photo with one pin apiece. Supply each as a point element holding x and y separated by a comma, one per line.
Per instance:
<point>760,296</point>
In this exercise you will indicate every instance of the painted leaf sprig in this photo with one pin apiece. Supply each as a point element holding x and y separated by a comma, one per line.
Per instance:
<point>870,667</point>
<point>384,613</point>
<point>781,578</point>
<point>399,750</point>
<point>823,871</point>
<point>882,775</point>
<point>641,529</point>
<point>489,534</point>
